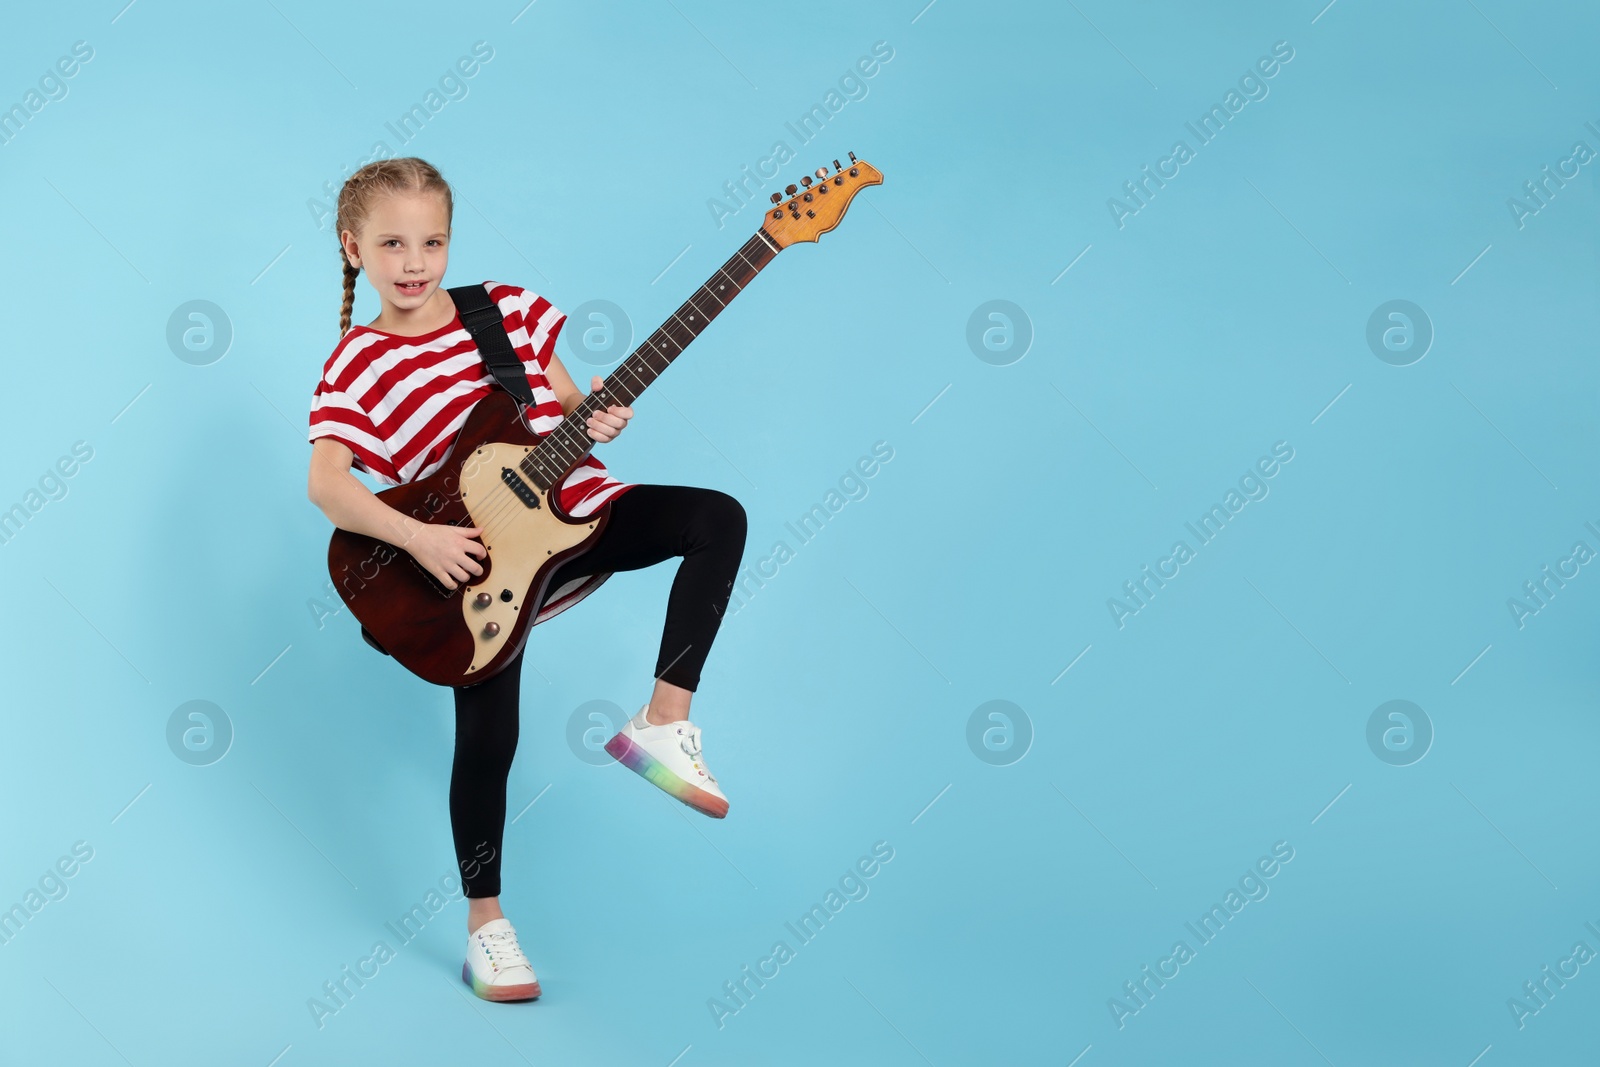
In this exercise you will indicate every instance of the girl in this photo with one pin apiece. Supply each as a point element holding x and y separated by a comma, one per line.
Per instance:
<point>392,396</point>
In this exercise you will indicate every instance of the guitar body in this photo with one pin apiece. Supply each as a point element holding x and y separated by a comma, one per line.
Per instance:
<point>466,635</point>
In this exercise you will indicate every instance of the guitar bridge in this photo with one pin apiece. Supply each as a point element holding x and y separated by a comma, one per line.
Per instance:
<point>524,493</point>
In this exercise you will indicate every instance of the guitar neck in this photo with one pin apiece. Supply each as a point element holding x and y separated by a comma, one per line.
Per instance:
<point>566,444</point>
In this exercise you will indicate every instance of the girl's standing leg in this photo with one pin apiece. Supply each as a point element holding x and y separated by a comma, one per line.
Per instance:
<point>487,721</point>
<point>486,740</point>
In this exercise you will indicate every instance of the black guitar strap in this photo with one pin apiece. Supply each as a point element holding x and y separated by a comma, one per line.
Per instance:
<point>485,322</point>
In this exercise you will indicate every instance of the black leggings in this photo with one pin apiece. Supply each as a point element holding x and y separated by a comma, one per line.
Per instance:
<point>648,524</point>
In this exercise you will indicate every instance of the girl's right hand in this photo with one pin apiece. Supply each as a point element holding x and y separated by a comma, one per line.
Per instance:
<point>447,552</point>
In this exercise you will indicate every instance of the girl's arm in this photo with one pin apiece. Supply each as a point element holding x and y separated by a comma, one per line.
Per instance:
<point>449,553</point>
<point>347,503</point>
<point>562,385</point>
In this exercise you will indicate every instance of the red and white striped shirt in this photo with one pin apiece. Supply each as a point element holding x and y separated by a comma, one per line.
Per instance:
<point>398,403</point>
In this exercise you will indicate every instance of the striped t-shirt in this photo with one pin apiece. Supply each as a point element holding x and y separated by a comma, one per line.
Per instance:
<point>398,402</point>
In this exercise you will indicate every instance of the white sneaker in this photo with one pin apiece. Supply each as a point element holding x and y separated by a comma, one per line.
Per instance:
<point>668,757</point>
<point>496,969</point>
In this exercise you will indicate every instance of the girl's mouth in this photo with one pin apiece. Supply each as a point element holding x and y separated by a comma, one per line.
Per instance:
<point>410,288</point>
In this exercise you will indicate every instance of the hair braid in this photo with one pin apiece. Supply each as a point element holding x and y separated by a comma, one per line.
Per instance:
<point>349,305</point>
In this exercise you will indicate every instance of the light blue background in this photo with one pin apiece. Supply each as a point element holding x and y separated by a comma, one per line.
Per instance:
<point>184,561</point>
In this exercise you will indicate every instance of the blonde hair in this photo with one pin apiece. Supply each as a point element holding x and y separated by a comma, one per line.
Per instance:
<point>363,189</point>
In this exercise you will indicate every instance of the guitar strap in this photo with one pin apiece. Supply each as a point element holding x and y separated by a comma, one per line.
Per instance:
<point>485,322</point>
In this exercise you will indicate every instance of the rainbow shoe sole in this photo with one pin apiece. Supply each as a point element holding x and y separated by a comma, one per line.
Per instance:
<point>646,766</point>
<point>528,991</point>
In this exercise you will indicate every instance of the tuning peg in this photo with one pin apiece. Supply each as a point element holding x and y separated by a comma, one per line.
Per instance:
<point>852,157</point>
<point>806,181</point>
<point>822,172</point>
<point>777,198</point>
<point>791,190</point>
<point>836,165</point>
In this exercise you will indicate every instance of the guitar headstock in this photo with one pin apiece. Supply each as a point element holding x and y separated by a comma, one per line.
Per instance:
<point>809,210</point>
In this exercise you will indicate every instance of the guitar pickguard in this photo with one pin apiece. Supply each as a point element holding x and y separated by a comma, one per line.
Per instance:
<point>521,532</point>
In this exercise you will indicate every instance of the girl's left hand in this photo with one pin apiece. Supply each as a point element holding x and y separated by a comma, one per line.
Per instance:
<point>606,425</point>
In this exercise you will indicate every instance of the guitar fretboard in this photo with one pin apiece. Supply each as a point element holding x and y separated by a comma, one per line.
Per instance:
<point>559,449</point>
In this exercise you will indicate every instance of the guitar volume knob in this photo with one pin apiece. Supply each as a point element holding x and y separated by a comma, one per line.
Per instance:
<point>482,600</point>
<point>491,629</point>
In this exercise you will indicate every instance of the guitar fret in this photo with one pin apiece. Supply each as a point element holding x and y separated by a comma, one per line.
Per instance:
<point>705,315</point>
<point>643,383</point>
<point>558,443</point>
<point>637,360</point>
<point>665,336</point>
<point>671,327</point>
<point>706,303</point>
<point>753,270</point>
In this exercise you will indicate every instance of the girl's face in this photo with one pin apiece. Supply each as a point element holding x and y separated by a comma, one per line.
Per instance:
<point>403,247</point>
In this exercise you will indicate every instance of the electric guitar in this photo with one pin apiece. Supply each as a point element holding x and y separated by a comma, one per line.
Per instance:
<point>500,476</point>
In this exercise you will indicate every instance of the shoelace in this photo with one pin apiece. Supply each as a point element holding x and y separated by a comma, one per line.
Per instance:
<point>691,746</point>
<point>503,947</point>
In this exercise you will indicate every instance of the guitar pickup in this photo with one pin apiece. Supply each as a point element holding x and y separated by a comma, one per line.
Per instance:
<point>524,492</point>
